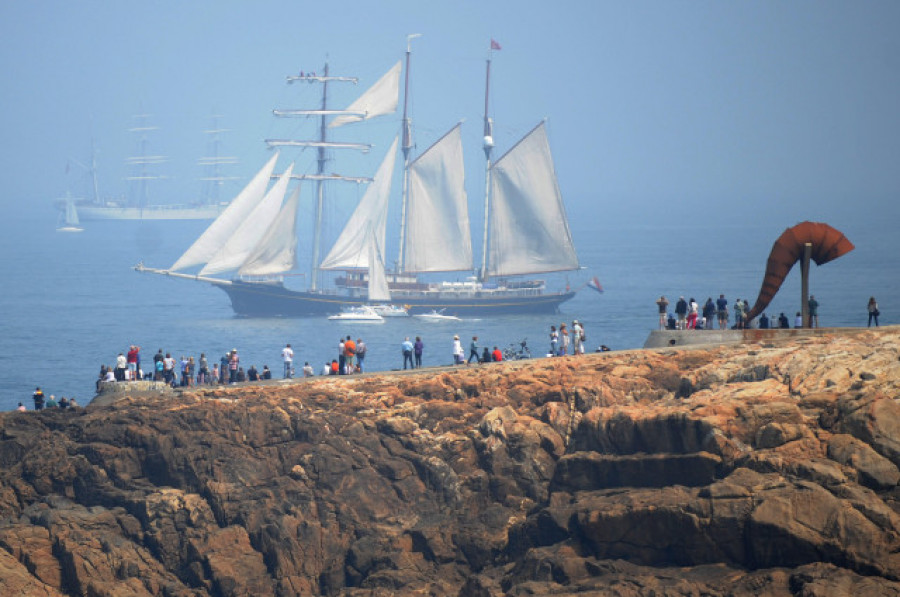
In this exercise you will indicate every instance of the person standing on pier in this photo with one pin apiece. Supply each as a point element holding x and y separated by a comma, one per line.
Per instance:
<point>722,311</point>
<point>813,305</point>
<point>663,305</point>
<point>681,309</point>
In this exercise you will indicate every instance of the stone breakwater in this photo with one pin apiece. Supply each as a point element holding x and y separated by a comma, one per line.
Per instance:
<point>765,469</point>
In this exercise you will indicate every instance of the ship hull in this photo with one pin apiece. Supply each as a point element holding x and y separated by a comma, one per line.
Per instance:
<point>89,213</point>
<point>274,300</point>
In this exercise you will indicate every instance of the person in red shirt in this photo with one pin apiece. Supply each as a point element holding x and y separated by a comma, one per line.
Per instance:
<point>132,359</point>
<point>497,356</point>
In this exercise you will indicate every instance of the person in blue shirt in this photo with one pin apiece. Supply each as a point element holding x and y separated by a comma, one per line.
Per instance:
<point>763,322</point>
<point>407,348</point>
<point>722,311</point>
<point>473,350</point>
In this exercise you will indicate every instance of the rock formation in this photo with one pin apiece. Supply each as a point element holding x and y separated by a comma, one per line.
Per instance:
<point>765,469</point>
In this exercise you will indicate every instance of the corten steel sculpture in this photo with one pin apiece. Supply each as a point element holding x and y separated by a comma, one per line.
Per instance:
<point>823,244</point>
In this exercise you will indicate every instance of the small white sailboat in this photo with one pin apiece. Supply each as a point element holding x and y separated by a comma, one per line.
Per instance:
<point>436,316</point>
<point>69,218</point>
<point>363,314</point>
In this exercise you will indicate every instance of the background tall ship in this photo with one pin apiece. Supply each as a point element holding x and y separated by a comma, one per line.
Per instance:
<point>525,231</point>
<point>144,171</point>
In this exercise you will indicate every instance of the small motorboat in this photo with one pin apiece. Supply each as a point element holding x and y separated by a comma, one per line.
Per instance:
<point>362,314</point>
<point>390,310</point>
<point>436,316</point>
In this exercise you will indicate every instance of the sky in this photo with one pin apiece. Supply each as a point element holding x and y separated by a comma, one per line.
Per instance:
<point>655,109</point>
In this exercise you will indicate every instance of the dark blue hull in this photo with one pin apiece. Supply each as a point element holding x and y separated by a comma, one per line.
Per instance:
<point>274,300</point>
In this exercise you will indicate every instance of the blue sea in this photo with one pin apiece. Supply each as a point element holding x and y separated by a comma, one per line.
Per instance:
<point>71,301</point>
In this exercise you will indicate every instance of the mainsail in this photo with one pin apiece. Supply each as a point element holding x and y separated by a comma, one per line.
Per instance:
<point>438,237</point>
<point>218,233</point>
<point>238,247</point>
<point>529,232</point>
<point>380,99</point>
<point>350,251</point>
<point>276,253</point>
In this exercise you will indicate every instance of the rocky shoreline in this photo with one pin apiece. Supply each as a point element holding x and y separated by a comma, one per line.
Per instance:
<point>769,468</point>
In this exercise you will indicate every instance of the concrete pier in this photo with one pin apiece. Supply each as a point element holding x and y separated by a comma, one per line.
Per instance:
<point>698,338</point>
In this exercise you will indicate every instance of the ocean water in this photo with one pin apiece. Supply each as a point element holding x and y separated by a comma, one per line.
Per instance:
<point>71,301</point>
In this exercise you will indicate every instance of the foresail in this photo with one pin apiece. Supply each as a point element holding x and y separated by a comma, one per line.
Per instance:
<point>276,253</point>
<point>350,251</point>
<point>238,247</point>
<point>218,233</point>
<point>529,232</point>
<point>379,99</point>
<point>437,224</point>
<point>379,291</point>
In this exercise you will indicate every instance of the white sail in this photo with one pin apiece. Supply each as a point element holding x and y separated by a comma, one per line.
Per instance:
<point>350,251</point>
<point>71,213</point>
<point>379,99</point>
<point>438,237</point>
<point>276,253</point>
<point>379,292</point>
<point>238,247</point>
<point>529,232</point>
<point>218,233</point>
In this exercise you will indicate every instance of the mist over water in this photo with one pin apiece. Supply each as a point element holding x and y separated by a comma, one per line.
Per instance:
<point>72,302</point>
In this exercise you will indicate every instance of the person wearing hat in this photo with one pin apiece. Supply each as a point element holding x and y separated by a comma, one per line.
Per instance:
<point>457,351</point>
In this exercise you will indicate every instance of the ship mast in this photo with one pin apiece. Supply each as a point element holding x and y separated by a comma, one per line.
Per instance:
<point>142,161</point>
<point>321,144</point>
<point>406,146</point>
<point>488,148</point>
<point>212,178</point>
<point>320,186</point>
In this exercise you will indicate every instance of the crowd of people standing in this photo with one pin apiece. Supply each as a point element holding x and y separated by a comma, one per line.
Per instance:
<point>689,315</point>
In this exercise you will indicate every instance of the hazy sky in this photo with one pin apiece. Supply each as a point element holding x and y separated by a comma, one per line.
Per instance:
<point>653,107</point>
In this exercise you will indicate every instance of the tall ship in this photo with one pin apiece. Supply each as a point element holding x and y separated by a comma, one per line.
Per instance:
<point>252,247</point>
<point>143,172</point>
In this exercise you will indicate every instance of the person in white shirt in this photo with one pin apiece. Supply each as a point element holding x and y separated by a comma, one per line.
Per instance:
<point>287,354</point>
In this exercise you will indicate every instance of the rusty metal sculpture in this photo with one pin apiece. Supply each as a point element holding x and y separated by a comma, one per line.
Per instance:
<point>827,244</point>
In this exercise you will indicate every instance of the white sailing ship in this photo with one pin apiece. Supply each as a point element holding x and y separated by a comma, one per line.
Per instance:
<point>144,171</point>
<point>526,231</point>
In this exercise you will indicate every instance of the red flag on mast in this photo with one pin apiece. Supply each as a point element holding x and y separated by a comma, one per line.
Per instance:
<point>495,45</point>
